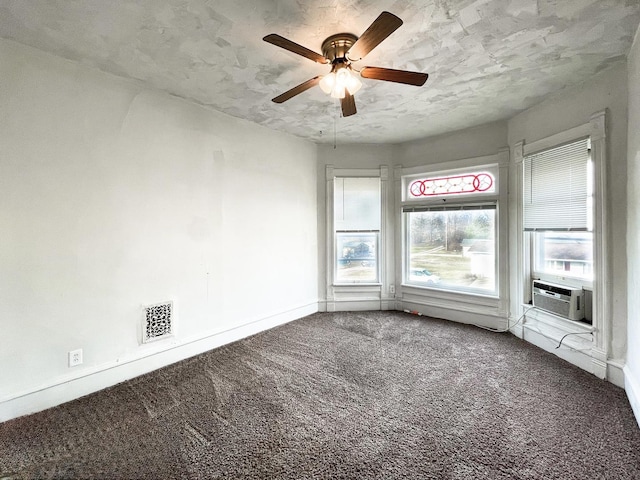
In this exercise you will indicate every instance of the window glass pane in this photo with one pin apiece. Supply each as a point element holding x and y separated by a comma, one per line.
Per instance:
<point>452,249</point>
<point>565,253</point>
<point>357,257</point>
<point>357,204</point>
<point>461,184</point>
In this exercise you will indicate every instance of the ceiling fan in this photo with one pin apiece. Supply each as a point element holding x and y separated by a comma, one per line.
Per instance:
<point>341,50</point>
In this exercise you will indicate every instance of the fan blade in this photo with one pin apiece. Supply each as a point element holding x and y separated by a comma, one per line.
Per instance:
<point>297,90</point>
<point>398,76</point>
<point>381,28</point>
<point>282,42</point>
<point>348,104</point>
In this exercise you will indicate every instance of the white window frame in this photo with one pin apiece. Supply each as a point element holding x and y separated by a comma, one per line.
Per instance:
<point>565,137</point>
<point>357,232</point>
<point>482,309</point>
<point>356,295</point>
<point>532,238</point>
<point>455,200</point>
<point>521,286</point>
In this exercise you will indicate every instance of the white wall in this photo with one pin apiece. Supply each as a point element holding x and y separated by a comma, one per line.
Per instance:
<point>632,369</point>
<point>571,108</point>
<point>474,142</point>
<point>114,197</point>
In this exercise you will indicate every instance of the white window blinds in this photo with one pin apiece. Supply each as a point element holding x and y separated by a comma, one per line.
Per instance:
<point>556,188</point>
<point>357,204</point>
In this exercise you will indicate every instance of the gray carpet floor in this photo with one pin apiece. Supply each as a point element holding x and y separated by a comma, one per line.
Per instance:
<point>368,395</point>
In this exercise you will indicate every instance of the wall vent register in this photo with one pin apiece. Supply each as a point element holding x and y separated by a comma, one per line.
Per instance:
<point>561,300</point>
<point>158,322</point>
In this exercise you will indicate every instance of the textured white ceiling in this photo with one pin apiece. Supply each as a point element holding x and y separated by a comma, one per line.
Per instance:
<point>487,59</point>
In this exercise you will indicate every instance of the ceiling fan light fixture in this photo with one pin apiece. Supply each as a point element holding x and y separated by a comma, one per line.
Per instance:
<point>338,91</point>
<point>353,83</point>
<point>328,82</point>
<point>337,82</point>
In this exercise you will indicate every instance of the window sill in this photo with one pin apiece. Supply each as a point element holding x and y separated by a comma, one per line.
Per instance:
<point>555,321</point>
<point>448,291</point>
<point>450,298</point>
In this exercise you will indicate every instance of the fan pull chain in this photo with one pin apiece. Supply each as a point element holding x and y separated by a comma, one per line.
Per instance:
<point>335,126</point>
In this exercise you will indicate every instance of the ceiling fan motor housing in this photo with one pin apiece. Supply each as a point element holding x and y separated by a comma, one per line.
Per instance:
<point>335,47</point>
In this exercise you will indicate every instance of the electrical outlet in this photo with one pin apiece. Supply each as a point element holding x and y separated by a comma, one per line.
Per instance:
<point>392,289</point>
<point>75,357</point>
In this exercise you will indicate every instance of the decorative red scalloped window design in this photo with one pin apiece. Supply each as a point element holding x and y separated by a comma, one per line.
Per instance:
<point>456,184</point>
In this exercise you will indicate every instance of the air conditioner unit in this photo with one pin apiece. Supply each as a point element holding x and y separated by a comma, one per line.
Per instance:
<point>562,300</point>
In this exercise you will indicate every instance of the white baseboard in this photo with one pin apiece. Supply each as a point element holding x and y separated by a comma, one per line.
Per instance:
<point>66,389</point>
<point>571,353</point>
<point>615,372</point>
<point>356,305</point>
<point>632,387</point>
<point>459,316</point>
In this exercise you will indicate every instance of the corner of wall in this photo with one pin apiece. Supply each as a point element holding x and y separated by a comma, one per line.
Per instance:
<point>632,367</point>
<point>632,387</point>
